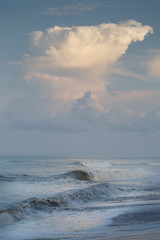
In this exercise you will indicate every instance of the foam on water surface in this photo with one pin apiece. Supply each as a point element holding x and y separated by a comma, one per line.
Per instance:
<point>69,197</point>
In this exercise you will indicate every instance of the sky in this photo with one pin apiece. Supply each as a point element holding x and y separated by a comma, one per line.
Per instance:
<point>80,78</point>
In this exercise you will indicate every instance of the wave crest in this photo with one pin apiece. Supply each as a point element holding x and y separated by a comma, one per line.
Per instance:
<point>74,199</point>
<point>81,175</point>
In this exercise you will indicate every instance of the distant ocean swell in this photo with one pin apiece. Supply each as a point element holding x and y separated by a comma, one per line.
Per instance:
<point>84,175</point>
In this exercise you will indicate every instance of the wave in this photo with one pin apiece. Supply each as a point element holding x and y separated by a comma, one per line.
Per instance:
<point>85,173</point>
<point>81,175</point>
<point>154,164</point>
<point>21,177</point>
<point>75,174</point>
<point>11,177</point>
<point>2,177</point>
<point>80,199</point>
<point>20,210</point>
<point>106,175</point>
<point>102,171</point>
<point>77,163</point>
<point>69,200</point>
<point>100,164</point>
<point>119,175</point>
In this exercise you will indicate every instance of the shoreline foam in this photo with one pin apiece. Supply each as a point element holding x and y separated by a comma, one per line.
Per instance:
<point>151,236</point>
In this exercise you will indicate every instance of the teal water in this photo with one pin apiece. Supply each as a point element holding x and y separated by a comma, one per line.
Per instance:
<point>62,198</point>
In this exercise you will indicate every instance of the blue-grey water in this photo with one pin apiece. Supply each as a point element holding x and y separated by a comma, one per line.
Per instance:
<point>55,198</point>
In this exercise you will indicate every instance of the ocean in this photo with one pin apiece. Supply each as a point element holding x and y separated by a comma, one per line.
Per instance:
<point>78,198</point>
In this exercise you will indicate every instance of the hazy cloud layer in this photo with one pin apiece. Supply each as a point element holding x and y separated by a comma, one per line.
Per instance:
<point>78,9</point>
<point>153,65</point>
<point>73,65</point>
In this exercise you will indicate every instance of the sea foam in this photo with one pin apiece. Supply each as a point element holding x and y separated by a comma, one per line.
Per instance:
<point>5,218</point>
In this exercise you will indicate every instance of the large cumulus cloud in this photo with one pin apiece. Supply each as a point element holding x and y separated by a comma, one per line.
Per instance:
<point>73,64</point>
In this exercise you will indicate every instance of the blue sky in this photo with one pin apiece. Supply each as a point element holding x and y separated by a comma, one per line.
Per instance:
<point>80,78</point>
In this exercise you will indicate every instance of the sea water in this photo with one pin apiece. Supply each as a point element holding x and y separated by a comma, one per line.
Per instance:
<point>62,198</point>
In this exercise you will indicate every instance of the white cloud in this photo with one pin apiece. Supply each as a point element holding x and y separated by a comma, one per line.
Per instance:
<point>78,9</point>
<point>153,65</point>
<point>73,65</point>
<point>137,111</point>
<point>86,46</point>
<point>75,60</point>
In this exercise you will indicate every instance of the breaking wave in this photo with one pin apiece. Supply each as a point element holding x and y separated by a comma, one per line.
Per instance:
<point>116,175</point>
<point>75,174</point>
<point>81,175</point>
<point>74,199</point>
<point>99,175</point>
<point>103,171</point>
<point>105,175</point>
<point>154,164</point>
